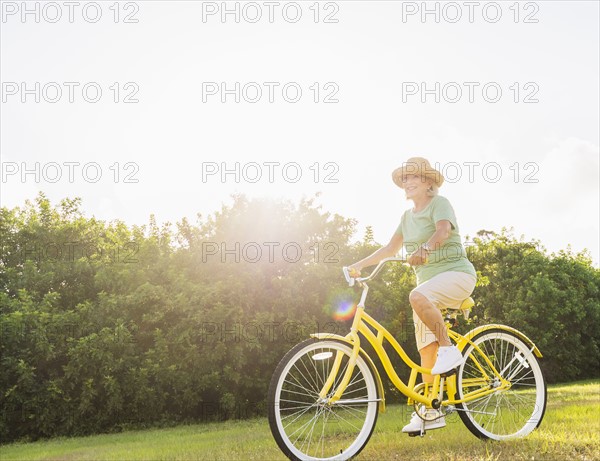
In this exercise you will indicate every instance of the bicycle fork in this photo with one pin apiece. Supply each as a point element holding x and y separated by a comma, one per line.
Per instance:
<point>349,369</point>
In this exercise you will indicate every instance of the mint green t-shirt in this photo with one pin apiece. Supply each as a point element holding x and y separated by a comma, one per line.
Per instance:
<point>417,228</point>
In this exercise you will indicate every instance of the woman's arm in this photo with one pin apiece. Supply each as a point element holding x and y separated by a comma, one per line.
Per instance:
<point>441,234</point>
<point>386,251</point>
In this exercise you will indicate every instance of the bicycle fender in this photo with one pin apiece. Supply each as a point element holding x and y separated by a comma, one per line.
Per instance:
<point>367,358</point>
<point>494,326</point>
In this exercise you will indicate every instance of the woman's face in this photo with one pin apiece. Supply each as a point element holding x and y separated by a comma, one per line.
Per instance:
<point>416,186</point>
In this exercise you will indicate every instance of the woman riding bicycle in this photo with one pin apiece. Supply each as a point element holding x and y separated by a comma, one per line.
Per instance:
<point>445,277</point>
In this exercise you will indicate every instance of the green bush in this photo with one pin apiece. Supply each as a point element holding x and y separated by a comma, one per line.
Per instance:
<point>106,326</point>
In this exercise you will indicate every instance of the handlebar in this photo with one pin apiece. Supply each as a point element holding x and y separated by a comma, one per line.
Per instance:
<point>360,280</point>
<point>349,279</point>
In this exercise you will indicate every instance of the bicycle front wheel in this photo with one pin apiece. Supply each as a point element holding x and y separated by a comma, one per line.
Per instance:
<point>306,427</point>
<point>512,411</point>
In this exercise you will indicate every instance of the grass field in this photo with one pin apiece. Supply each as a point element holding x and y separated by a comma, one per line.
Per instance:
<point>570,431</point>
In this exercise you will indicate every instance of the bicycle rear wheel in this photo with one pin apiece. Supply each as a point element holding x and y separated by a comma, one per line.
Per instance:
<point>305,427</point>
<point>511,412</point>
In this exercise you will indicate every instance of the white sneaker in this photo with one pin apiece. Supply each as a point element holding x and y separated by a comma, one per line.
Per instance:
<point>434,420</point>
<point>448,357</point>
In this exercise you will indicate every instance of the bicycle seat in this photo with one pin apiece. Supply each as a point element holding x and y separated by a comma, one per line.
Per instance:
<point>464,309</point>
<point>467,304</point>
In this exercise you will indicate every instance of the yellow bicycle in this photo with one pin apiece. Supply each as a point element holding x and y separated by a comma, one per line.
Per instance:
<point>326,393</point>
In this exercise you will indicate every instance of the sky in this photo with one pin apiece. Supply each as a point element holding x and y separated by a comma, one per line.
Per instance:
<point>139,107</point>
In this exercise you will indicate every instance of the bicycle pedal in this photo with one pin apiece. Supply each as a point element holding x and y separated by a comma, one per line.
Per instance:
<point>414,434</point>
<point>449,373</point>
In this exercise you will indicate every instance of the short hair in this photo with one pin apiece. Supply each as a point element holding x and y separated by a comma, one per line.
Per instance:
<point>433,190</point>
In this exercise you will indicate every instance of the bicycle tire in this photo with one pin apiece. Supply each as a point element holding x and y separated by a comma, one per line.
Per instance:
<point>338,442</point>
<point>517,411</point>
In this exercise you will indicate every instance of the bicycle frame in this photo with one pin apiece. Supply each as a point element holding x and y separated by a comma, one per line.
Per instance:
<point>376,334</point>
<point>325,395</point>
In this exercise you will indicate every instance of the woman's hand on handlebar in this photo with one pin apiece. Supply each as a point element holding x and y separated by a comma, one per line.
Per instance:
<point>418,257</point>
<point>353,271</point>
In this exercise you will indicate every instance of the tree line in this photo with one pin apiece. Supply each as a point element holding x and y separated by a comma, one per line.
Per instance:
<point>109,326</point>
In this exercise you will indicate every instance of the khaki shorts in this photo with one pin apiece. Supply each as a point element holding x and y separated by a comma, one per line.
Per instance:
<point>445,290</point>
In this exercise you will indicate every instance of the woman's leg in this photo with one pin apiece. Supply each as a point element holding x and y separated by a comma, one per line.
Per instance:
<point>428,356</point>
<point>431,317</point>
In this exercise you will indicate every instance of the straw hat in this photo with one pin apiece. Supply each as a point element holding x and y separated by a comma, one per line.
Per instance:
<point>420,167</point>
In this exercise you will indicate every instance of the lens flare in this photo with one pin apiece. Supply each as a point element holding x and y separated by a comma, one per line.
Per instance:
<point>345,310</point>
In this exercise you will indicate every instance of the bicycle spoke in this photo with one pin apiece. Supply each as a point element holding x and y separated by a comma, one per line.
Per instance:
<point>304,426</point>
<point>316,393</point>
<point>314,381</point>
<point>312,428</point>
<point>298,417</point>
